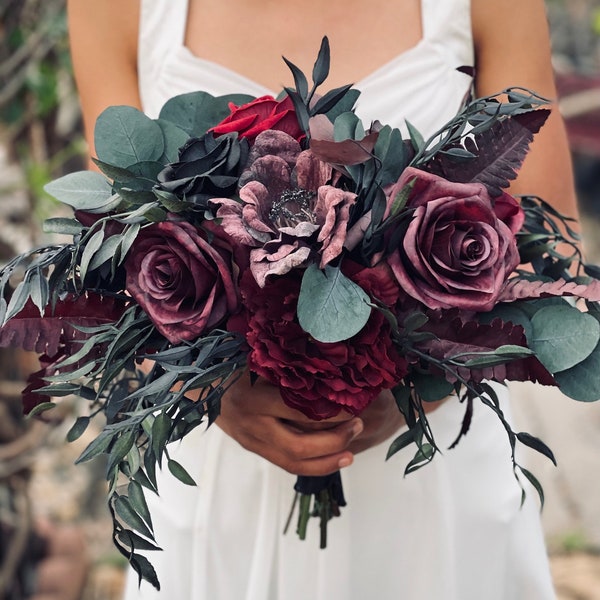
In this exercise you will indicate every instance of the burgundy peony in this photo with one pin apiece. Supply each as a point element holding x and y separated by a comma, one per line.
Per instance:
<point>288,208</point>
<point>316,378</point>
<point>260,115</point>
<point>183,277</point>
<point>459,248</point>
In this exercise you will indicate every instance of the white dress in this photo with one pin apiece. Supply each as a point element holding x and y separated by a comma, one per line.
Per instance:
<point>453,530</point>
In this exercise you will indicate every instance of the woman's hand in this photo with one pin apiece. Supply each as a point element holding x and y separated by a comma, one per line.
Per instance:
<point>257,418</point>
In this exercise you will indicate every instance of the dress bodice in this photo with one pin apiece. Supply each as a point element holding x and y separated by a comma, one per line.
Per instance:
<point>422,85</point>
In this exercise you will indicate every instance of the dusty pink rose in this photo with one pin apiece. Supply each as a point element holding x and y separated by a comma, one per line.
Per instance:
<point>260,115</point>
<point>288,208</point>
<point>184,280</point>
<point>459,248</point>
<point>319,379</point>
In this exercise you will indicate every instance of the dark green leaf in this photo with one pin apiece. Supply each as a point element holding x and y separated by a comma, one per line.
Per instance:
<point>178,471</point>
<point>402,441</point>
<point>300,81</point>
<point>431,388</point>
<point>137,500</point>
<point>124,509</point>
<point>321,66</point>
<point>78,428</point>
<point>141,565</point>
<point>40,408</point>
<point>536,444</point>
<point>535,483</point>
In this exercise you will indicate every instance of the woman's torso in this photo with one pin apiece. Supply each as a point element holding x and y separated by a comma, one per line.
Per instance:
<point>422,84</point>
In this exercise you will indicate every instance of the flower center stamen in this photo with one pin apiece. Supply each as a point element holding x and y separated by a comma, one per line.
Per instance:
<point>293,207</point>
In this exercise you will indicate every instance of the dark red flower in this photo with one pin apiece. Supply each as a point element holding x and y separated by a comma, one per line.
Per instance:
<point>319,379</point>
<point>183,277</point>
<point>259,115</point>
<point>460,247</point>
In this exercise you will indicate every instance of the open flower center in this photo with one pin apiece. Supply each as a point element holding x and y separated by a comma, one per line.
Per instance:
<point>293,207</point>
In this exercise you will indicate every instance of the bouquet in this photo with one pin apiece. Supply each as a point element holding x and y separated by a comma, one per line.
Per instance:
<point>332,258</point>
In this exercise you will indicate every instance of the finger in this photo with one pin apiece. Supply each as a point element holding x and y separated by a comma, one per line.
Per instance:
<point>305,453</point>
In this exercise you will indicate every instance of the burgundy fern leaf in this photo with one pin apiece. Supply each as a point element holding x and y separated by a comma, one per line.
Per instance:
<point>455,335</point>
<point>499,152</point>
<point>46,334</point>
<point>523,289</point>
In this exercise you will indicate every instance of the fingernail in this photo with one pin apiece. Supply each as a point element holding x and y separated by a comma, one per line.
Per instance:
<point>345,462</point>
<point>357,427</point>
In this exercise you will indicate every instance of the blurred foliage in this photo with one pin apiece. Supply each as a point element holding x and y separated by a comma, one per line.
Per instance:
<point>40,124</point>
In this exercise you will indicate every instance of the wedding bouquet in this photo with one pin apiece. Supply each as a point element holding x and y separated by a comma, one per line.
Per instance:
<point>332,258</point>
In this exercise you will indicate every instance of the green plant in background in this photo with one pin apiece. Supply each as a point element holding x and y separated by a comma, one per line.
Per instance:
<point>39,117</point>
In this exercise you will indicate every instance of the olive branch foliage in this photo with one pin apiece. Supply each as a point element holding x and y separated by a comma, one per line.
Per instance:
<point>70,304</point>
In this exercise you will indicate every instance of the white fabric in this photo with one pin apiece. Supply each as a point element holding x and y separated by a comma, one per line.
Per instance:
<point>452,531</point>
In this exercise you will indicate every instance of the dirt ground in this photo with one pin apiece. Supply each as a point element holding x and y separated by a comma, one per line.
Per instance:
<point>576,576</point>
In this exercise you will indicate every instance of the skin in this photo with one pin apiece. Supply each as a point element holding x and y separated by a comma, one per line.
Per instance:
<point>512,49</point>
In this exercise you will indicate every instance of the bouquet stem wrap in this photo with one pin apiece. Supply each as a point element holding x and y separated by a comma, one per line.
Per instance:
<point>318,497</point>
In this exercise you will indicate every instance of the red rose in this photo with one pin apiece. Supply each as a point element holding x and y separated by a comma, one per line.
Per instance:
<point>459,248</point>
<point>183,281</point>
<point>318,379</point>
<point>259,115</point>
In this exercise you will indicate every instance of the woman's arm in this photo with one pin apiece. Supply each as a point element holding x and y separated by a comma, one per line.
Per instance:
<point>512,48</point>
<point>103,38</point>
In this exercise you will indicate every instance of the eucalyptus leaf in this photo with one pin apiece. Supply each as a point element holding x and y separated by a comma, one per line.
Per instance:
<point>174,137</point>
<point>62,226</point>
<point>582,382</point>
<point>83,190</point>
<point>331,307</point>
<point>196,112</point>
<point>563,336</point>
<point>124,136</point>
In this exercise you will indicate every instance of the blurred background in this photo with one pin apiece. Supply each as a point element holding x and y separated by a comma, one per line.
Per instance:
<point>41,138</point>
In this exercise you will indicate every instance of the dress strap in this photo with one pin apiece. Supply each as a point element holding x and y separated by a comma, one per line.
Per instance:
<point>161,32</point>
<point>447,24</point>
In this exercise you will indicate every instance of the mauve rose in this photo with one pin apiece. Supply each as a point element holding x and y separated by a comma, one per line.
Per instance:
<point>319,379</point>
<point>260,115</point>
<point>459,248</point>
<point>183,277</point>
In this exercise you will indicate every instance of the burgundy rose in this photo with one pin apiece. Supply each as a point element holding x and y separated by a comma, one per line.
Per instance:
<point>319,379</point>
<point>260,115</point>
<point>288,208</point>
<point>183,277</point>
<point>459,248</point>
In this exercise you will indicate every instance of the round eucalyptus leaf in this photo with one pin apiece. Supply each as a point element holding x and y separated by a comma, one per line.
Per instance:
<point>174,137</point>
<point>582,382</point>
<point>124,136</point>
<point>331,308</point>
<point>196,112</point>
<point>562,336</point>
